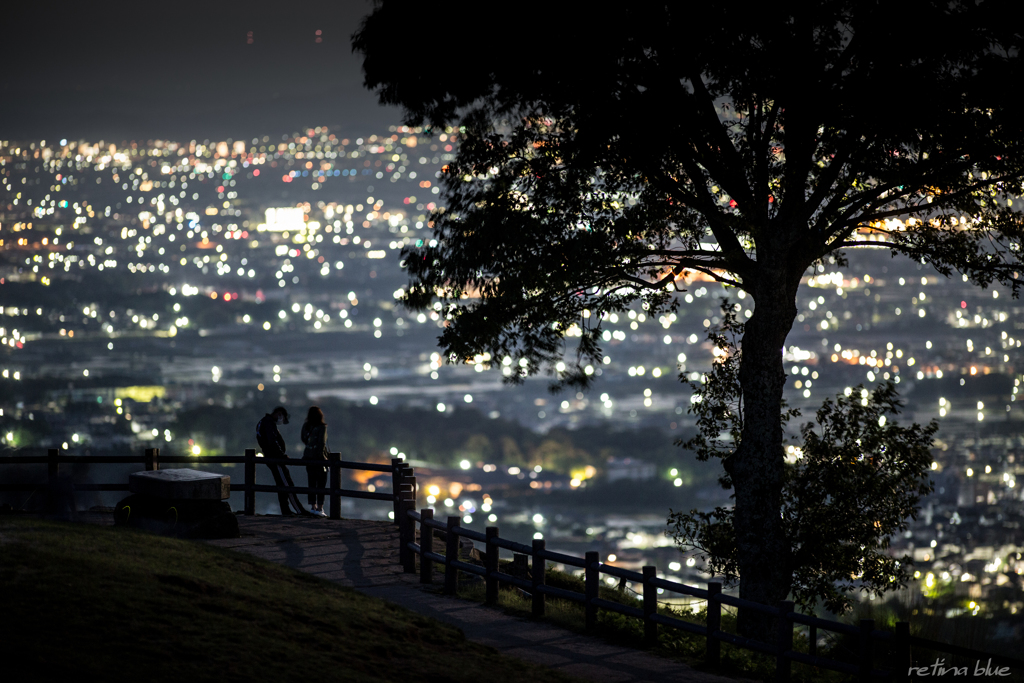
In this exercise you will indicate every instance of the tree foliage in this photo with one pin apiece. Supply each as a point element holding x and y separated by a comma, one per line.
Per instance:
<point>596,169</point>
<point>853,482</point>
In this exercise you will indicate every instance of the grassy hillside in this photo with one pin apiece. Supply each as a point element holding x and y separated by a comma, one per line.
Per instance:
<point>101,603</point>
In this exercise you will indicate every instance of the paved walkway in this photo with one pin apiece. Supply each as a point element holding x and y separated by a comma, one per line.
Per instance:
<point>364,555</point>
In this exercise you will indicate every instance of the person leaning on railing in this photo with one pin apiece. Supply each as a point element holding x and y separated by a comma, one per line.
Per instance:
<point>273,446</point>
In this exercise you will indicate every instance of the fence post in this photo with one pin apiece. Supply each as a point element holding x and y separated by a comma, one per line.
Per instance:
<point>714,623</point>
<point>410,481</point>
<point>537,571</point>
<point>592,579</point>
<point>52,467</point>
<point>491,565</point>
<point>451,554</point>
<point>812,640</point>
<point>866,649</point>
<point>904,656</point>
<point>396,484</point>
<point>52,470</point>
<point>407,525</point>
<point>784,642</point>
<point>650,606</point>
<point>334,466</point>
<point>152,459</point>
<point>403,523</point>
<point>250,481</point>
<point>426,546</point>
<point>409,476</point>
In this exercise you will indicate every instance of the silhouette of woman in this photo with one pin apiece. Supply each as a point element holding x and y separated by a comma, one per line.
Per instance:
<point>314,435</point>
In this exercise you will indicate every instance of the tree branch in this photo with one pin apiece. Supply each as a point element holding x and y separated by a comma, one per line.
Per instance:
<point>736,185</point>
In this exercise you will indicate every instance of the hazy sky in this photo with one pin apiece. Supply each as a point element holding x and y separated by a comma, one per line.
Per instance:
<point>124,70</point>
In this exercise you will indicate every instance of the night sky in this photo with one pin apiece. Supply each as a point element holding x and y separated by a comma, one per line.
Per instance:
<point>120,70</point>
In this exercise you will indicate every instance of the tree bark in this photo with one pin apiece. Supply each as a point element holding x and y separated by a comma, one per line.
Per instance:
<point>756,468</point>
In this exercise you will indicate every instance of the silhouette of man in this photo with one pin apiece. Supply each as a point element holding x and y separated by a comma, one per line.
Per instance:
<point>273,446</point>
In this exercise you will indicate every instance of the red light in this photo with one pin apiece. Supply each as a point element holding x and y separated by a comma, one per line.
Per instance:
<point>245,234</point>
<point>286,178</point>
<point>227,297</point>
<point>771,199</point>
<point>220,188</point>
<point>963,304</point>
<point>256,173</point>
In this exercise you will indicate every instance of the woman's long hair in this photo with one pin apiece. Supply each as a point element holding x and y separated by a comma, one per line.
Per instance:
<point>315,416</point>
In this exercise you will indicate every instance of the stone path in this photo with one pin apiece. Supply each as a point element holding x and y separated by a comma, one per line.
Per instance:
<point>364,555</point>
<point>351,552</point>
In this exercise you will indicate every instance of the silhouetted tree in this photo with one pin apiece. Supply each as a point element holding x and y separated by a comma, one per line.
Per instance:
<point>851,484</point>
<point>602,155</point>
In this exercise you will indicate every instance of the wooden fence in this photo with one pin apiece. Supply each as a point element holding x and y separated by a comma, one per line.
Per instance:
<point>398,469</point>
<point>900,643</point>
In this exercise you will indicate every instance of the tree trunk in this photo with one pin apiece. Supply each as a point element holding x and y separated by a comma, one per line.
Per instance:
<point>757,466</point>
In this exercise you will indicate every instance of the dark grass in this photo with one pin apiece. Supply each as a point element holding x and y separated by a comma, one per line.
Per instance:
<point>83,602</point>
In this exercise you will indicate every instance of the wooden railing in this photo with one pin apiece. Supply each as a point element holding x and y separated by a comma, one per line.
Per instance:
<point>899,643</point>
<point>400,473</point>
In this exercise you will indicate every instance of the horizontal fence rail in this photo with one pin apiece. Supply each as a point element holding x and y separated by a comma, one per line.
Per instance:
<point>868,639</point>
<point>400,472</point>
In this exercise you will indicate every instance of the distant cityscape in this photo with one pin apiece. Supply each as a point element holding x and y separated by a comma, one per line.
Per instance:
<point>148,278</point>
